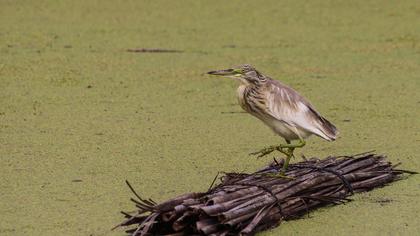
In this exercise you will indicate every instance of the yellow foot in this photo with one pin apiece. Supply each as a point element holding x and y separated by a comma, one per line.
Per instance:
<point>264,151</point>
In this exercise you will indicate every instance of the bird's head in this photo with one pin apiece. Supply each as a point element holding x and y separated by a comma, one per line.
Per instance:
<point>246,73</point>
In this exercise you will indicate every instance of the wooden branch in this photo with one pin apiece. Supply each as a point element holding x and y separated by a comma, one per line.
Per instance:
<point>243,204</point>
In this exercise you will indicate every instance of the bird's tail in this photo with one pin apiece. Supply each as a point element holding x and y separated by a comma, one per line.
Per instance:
<point>328,129</point>
<point>324,129</point>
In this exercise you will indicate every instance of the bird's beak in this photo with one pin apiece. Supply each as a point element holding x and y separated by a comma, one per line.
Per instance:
<point>227,72</point>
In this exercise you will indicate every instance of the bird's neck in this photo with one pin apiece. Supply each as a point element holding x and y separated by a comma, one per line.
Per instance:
<point>246,88</point>
<point>256,85</point>
<point>253,84</point>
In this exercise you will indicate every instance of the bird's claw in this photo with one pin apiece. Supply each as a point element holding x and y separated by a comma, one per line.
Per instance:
<point>268,150</point>
<point>263,152</point>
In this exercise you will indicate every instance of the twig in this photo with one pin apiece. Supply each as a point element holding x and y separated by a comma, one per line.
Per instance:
<point>246,203</point>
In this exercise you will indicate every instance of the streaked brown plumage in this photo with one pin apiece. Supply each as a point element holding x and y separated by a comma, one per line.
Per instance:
<point>280,107</point>
<point>284,111</point>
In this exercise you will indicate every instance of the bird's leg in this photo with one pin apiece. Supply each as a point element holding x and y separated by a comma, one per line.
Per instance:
<point>286,162</point>
<point>268,150</point>
<point>286,149</point>
<point>300,144</point>
<point>283,148</point>
<point>289,155</point>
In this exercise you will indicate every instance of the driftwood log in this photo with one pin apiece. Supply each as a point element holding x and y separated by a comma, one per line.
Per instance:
<point>243,204</point>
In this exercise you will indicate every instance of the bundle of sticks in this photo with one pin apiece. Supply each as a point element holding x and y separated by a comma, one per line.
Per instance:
<point>243,204</point>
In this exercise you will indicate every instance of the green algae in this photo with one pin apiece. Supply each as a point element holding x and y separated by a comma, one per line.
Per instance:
<point>79,114</point>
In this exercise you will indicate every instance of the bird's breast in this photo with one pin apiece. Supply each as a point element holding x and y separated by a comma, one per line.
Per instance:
<point>251,101</point>
<point>241,96</point>
<point>246,100</point>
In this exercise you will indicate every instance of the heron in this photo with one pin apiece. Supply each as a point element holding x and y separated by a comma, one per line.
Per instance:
<point>281,108</point>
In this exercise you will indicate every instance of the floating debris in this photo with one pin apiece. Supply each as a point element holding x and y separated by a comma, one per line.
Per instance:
<point>243,204</point>
<point>154,50</point>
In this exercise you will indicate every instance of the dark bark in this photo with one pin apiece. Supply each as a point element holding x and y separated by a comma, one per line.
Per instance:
<point>243,204</point>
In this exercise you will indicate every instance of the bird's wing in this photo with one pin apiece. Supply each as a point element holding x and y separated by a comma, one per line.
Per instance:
<point>285,104</point>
